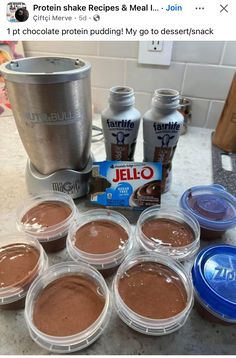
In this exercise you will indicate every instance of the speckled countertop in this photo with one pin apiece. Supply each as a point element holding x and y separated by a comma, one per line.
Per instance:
<point>192,166</point>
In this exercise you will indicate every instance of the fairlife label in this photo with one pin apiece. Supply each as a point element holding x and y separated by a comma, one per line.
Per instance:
<point>120,138</point>
<point>171,126</point>
<point>120,124</point>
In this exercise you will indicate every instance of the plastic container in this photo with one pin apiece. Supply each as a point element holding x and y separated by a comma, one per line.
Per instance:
<point>175,250</point>
<point>214,280</point>
<point>13,296</point>
<point>106,262</point>
<point>141,323</point>
<point>81,340</point>
<point>51,233</point>
<point>213,207</point>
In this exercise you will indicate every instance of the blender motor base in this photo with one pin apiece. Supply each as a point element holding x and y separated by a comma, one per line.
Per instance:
<point>69,181</point>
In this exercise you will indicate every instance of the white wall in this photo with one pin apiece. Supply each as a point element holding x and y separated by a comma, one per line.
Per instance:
<point>200,70</point>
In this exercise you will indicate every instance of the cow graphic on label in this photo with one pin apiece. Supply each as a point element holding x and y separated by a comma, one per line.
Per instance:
<point>120,137</point>
<point>165,140</point>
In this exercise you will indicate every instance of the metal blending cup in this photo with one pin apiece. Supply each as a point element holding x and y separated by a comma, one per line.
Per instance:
<point>51,103</point>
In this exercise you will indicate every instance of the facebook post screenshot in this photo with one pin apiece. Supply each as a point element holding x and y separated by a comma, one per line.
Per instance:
<point>118,177</point>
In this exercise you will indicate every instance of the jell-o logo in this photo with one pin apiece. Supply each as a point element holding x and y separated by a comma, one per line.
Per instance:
<point>133,174</point>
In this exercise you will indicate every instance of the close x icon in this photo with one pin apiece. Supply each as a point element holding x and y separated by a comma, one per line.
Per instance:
<point>224,8</point>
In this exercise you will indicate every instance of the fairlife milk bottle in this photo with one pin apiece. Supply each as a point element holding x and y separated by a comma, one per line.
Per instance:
<point>161,130</point>
<point>120,123</point>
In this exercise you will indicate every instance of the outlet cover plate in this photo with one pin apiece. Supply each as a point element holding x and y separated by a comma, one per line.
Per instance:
<point>160,57</point>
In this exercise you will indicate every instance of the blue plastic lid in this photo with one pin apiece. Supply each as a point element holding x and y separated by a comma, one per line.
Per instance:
<point>212,206</point>
<point>214,279</point>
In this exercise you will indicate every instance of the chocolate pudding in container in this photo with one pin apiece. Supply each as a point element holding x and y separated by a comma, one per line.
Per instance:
<point>213,207</point>
<point>47,217</point>
<point>68,307</point>
<point>170,232</point>
<point>214,281</point>
<point>22,259</point>
<point>102,238</point>
<point>153,294</point>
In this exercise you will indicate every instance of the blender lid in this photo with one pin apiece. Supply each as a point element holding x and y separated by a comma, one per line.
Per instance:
<point>212,206</point>
<point>44,70</point>
<point>214,279</point>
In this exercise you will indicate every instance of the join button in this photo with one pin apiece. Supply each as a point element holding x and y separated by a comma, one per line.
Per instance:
<point>174,7</point>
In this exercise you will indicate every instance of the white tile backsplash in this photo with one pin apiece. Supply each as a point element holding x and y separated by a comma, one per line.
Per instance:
<point>76,48</point>
<point>229,57</point>
<point>200,70</point>
<point>197,51</point>
<point>200,108</point>
<point>106,72</point>
<point>120,49</point>
<point>147,78</point>
<point>100,99</point>
<point>205,81</point>
<point>214,114</point>
<point>143,101</point>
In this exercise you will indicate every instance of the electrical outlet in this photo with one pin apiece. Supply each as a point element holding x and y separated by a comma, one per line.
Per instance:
<point>155,46</point>
<point>155,52</point>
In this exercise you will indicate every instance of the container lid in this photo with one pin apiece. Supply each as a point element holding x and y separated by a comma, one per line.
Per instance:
<point>214,280</point>
<point>212,206</point>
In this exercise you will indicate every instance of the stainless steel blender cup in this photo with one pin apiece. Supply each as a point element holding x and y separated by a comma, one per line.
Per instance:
<point>51,103</point>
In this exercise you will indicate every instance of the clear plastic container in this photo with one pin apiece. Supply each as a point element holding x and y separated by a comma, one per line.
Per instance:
<point>214,281</point>
<point>181,253</point>
<point>107,263</point>
<point>140,323</point>
<point>13,296</point>
<point>51,237</point>
<point>213,207</point>
<point>81,340</point>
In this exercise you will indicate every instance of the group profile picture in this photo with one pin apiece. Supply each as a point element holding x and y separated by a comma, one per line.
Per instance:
<point>17,12</point>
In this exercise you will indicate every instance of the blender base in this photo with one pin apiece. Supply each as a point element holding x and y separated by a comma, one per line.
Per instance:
<point>69,181</point>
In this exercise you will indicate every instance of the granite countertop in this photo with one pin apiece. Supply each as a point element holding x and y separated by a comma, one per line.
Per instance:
<point>191,166</point>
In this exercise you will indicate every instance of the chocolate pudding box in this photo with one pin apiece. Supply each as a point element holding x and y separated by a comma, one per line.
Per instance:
<point>126,184</point>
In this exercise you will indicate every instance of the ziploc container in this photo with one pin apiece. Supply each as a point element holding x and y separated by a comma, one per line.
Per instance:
<point>213,207</point>
<point>214,281</point>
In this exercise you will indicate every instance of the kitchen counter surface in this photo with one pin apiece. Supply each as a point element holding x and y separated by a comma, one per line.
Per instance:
<point>191,166</point>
